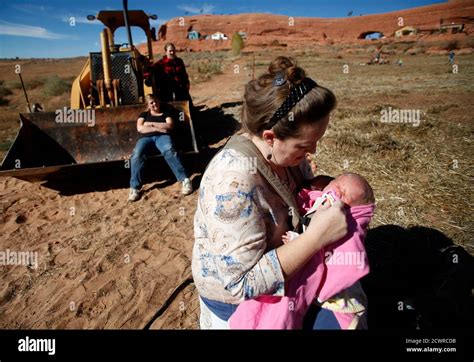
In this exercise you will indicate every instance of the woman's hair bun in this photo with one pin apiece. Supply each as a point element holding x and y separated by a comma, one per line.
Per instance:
<point>267,94</point>
<point>288,66</point>
<point>295,75</point>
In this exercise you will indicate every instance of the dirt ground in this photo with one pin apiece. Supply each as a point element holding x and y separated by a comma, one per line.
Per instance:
<point>107,263</point>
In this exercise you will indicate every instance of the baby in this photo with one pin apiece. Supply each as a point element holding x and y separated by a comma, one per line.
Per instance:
<point>331,276</point>
<point>354,190</point>
<point>351,188</point>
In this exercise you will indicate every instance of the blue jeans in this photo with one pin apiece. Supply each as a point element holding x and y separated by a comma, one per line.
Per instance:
<point>325,319</point>
<point>164,144</point>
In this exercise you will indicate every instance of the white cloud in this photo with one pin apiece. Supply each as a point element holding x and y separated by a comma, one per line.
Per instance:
<point>205,9</point>
<point>14,29</point>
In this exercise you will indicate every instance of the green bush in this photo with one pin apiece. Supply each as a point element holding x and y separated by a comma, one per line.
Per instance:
<point>237,44</point>
<point>55,86</point>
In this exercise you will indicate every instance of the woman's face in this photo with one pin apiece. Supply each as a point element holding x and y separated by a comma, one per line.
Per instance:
<point>153,105</point>
<point>291,151</point>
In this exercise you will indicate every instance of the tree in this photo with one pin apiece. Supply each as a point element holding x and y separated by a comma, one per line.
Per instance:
<point>237,43</point>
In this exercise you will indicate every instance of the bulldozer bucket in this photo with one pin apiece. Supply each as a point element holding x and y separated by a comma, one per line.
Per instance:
<point>48,142</point>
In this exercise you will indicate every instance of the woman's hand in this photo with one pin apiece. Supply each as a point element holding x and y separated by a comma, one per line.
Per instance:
<point>328,224</point>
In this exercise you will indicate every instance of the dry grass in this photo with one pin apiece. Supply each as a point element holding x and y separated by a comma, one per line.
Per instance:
<point>420,176</point>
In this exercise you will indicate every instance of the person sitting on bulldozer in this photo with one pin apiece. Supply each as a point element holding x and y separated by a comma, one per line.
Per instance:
<point>153,127</point>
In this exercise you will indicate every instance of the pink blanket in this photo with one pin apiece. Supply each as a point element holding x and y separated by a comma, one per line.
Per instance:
<point>330,271</point>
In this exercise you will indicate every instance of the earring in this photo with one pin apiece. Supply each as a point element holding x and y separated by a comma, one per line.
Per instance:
<point>269,156</point>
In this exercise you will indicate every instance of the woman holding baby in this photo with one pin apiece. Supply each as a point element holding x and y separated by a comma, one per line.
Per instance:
<point>240,263</point>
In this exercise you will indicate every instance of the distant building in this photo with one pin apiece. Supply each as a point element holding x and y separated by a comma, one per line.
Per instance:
<point>368,35</point>
<point>405,31</point>
<point>193,35</point>
<point>374,36</point>
<point>453,28</point>
<point>454,24</point>
<point>218,36</point>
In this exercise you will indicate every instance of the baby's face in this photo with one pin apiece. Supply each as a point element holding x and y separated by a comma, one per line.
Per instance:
<point>351,189</point>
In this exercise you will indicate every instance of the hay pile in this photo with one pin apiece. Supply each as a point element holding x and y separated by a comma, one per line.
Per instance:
<point>421,176</point>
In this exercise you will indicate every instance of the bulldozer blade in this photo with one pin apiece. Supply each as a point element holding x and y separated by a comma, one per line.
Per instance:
<point>49,142</point>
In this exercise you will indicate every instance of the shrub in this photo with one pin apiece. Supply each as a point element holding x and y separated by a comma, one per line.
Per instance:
<point>55,86</point>
<point>4,91</point>
<point>237,44</point>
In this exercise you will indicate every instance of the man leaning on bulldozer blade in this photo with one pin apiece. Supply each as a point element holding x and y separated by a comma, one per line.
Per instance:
<point>153,127</point>
<point>169,78</point>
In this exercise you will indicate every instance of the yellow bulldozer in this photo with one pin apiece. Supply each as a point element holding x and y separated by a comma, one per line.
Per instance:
<point>106,98</point>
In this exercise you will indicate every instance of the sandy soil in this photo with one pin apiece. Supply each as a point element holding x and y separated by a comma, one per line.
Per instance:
<point>102,262</point>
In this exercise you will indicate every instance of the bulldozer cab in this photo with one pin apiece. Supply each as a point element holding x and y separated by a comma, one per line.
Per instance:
<point>115,75</point>
<point>106,99</point>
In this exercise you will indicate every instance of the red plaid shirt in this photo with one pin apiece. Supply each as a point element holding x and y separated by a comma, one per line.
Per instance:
<point>171,77</point>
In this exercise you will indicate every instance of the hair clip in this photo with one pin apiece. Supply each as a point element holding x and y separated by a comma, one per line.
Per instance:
<point>279,79</point>
<point>296,94</point>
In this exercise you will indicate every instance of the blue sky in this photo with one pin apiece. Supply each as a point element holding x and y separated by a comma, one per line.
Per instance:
<point>34,28</point>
